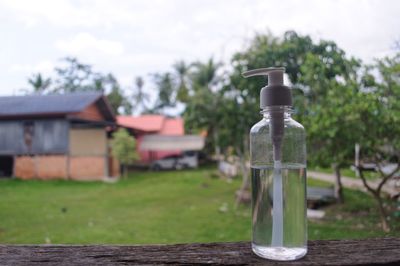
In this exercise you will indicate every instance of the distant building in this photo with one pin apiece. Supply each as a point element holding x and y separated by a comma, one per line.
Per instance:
<point>145,125</point>
<point>56,136</point>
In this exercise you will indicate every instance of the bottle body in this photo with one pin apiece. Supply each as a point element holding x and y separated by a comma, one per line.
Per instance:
<point>283,238</point>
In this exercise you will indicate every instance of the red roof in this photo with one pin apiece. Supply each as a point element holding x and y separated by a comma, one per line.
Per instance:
<point>148,123</point>
<point>173,126</point>
<point>153,123</point>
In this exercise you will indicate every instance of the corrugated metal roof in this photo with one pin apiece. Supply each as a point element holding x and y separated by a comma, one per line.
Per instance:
<point>153,123</point>
<point>46,104</point>
<point>173,126</point>
<point>147,123</point>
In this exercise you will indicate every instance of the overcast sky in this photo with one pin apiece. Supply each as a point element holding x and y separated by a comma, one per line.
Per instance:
<point>131,38</point>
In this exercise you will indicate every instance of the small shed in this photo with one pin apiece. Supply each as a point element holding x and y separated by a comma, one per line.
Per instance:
<point>56,136</point>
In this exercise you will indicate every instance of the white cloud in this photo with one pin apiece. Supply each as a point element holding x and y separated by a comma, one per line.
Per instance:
<point>87,43</point>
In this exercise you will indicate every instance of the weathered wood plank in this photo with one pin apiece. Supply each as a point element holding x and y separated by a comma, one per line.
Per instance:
<point>382,251</point>
<point>48,137</point>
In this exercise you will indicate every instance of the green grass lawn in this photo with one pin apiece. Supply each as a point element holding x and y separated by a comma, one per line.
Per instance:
<point>149,207</point>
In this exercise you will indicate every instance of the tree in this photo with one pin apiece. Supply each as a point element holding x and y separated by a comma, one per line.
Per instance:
<point>379,121</point>
<point>140,97</point>
<point>203,105</point>
<point>75,76</point>
<point>377,190</point>
<point>124,149</point>
<point>205,75</point>
<point>182,72</point>
<point>39,84</point>
<point>166,92</point>
<point>78,77</point>
<point>330,105</point>
<point>108,84</point>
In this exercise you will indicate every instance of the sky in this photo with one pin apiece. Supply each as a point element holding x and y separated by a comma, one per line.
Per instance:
<point>136,38</point>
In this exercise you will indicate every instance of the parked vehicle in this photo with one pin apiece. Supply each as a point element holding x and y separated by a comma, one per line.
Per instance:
<point>178,162</point>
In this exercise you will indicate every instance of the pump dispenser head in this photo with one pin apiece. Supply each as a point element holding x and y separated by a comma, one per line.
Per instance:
<point>275,93</point>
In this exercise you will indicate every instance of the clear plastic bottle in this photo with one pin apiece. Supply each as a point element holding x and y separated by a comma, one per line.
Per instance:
<point>278,165</point>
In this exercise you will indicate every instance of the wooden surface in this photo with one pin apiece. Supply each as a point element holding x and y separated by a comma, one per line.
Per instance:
<point>382,251</point>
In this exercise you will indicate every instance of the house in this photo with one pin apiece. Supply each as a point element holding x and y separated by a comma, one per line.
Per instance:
<point>56,136</point>
<point>145,125</point>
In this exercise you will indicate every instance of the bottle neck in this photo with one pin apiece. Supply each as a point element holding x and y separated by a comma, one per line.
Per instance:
<point>286,110</point>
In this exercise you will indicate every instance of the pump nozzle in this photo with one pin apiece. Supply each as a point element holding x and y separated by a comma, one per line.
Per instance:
<point>275,74</point>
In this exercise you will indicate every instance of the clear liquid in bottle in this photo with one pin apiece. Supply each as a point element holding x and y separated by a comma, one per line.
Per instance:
<point>294,238</point>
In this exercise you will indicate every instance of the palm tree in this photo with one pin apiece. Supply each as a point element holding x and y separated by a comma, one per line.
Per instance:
<point>203,109</point>
<point>182,71</point>
<point>166,89</point>
<point>39,83</point>
<point>205,74</point>
<point>140,97</point>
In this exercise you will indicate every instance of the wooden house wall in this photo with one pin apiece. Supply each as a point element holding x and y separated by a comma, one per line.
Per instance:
<point>34,137</point>
<point>88,142</point>
<point>91,112</point>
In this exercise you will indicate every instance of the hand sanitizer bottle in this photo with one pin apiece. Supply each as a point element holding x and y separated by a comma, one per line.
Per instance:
<point>278,165</point>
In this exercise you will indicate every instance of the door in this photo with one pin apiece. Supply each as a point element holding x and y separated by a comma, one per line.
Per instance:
<point>6,166</point>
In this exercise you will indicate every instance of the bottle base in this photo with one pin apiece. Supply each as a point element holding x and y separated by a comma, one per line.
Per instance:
<point>279,253</point>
